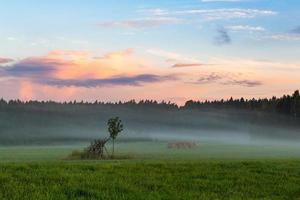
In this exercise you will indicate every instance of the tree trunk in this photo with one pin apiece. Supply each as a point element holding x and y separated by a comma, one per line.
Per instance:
<point>113,152</point>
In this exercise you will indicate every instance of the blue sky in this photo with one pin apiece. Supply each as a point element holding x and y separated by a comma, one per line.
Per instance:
<point>257,39</point>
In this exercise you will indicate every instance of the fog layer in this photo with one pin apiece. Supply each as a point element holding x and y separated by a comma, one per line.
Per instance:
<point>40,124</point>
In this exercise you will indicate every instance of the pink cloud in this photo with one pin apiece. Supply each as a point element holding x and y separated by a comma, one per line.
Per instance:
<point>6,60</point>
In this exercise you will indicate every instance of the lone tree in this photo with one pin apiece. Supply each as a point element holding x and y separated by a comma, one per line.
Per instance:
<point>115,126</point>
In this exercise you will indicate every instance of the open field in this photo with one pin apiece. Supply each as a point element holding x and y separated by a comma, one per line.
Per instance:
<point>157,150</point>
<point>211,171</point>
<point>151,180</point>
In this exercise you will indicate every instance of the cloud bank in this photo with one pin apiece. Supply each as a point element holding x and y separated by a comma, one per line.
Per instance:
<point>79,69</point>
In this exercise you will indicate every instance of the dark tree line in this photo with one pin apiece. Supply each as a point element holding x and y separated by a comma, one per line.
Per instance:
<point>287,104</point>
<point>35,122</point>
<point>51,104</point>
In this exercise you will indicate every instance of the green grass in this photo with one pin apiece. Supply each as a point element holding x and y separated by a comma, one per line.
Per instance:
<point>211,171</point>
<point>151,180</point>
<point>35,153</point>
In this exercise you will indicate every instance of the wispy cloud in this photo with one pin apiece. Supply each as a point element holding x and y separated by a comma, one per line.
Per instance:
<point>210,78</point>
<point>226,79</point>
<point>141,23</point>
<point>6,60</point>
<point>211,14</point>
<point>137,80</point>
<point>160,17</point>
<point>170,56</point>
<point>245,83</point>
<point>227,13</point>
<point>154,11</point>
<point>292,35</point>
<point>178,65</point>
<point>284,37</point>
<point>246,28</point>
<point>222,37</point>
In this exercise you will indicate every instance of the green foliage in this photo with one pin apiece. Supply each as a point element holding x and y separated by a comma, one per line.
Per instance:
<point>115,126</point>
<point>151,180</point>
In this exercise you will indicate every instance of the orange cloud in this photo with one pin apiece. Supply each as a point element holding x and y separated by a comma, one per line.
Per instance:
<point>124,75</point>
<point>118,54</point>
<point>79,65</point>
<point>82,65</point>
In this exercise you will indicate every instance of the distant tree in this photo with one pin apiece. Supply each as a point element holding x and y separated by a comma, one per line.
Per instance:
<point>115,126</point>
<point>296,103</point>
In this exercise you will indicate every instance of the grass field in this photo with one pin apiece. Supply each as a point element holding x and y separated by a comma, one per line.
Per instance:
<point>157,151</point>
<point>211,171</point>
<point>151,180</point>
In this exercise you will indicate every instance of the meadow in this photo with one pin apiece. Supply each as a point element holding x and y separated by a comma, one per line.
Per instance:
<point>211,171</point>
<point>156,150</point>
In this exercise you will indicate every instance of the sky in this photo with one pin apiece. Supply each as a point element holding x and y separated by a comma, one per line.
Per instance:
<point>137,49</point>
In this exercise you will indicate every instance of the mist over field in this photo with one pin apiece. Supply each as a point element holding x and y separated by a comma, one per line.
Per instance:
<point>67,124</point>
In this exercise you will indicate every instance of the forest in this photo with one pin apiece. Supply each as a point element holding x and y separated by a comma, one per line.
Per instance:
<point>287,104</point>
<point>246,120</point>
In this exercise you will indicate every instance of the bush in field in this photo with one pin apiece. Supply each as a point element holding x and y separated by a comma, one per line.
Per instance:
<point>97,147</point>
